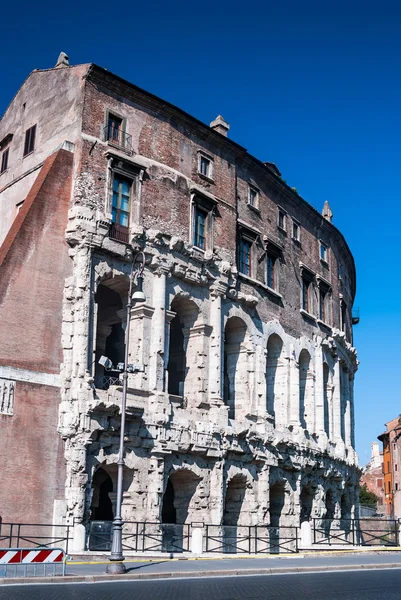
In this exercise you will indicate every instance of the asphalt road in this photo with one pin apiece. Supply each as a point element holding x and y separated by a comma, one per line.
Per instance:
<point>350,585</point>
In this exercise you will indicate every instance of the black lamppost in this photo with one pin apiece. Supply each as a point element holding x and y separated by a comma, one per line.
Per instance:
<point>116,556</point>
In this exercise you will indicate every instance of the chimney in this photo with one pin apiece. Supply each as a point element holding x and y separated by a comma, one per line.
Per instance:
<point>220,125</point>
<point>62,61</point>
<point>326,212</point>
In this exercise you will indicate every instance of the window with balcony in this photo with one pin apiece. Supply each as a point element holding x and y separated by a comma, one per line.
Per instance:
<point>115,132</point>
<point>30,136</point>
<point>120,209</point>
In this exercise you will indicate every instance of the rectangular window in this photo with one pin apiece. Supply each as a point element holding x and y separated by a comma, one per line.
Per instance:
<point>396,487</point>
<point>29,145</point>
<point>272,278</point>
<point>323,252</point>
<point>120,209</point>
<point>4,161</point>
<point>253,197</point>
<point>114,129</point>
<point>395,467</point>
<point>205,166</point>
<point>340,271</point>
<point>343,309</point>
<point>388,487</point>
<point>296,231</point>
<point>306,304</point>
<point>245,256</point>
<point>281,219</point>
<point>200,227</point>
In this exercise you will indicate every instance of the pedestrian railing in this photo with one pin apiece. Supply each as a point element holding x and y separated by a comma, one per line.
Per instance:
<point>19,535</point>
<point>141,536</point>
<point>32,562</point>
<point>250,539</point>
<point>360,532</point>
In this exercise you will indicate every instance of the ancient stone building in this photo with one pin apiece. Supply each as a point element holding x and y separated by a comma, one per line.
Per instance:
<point>244,413</point>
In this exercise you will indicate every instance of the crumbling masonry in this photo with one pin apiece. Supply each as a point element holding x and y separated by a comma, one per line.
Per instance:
<point>244,413</point>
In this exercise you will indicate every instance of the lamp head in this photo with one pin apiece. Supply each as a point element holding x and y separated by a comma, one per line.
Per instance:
<point>139,294</point>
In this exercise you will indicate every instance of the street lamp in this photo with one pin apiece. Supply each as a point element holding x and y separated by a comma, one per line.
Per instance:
<point>116,557</point>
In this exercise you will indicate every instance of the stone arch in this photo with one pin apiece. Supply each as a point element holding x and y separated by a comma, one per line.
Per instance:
<point>179,499</point>
<point>102,486</point>
<point>306,392</point>
<point>110,301</point>
<point>276,503</point>
<point>307,497</point>
<point>234,499</point>
<point>276,380</point>
<point>182,350</point>
<point>236,382</point>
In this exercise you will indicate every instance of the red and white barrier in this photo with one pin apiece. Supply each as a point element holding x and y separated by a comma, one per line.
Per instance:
<point>37,555</point>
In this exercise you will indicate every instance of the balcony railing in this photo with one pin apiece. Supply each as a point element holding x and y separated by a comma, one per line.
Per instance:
<point>119,233</point>
<point>103,382</point>
<point>118,137</point>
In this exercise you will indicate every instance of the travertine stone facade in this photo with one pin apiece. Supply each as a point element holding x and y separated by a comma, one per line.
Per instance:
<point>244,413</point>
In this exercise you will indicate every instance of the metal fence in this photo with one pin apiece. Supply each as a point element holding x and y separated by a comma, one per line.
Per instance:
<point>141,537</point>
<point>244,539</point>
<point>356,532</point>
<point>32,562</point>
<point>29,535</point>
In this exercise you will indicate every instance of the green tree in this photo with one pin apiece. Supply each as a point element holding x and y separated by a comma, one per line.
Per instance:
<point>367,498</point>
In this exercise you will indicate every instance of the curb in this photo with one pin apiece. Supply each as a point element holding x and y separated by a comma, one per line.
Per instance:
<point>192,574</point>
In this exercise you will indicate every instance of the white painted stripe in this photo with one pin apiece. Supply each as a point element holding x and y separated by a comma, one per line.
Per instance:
<point>52,557</point>
<point>7,557</point>
<point>27,376</point>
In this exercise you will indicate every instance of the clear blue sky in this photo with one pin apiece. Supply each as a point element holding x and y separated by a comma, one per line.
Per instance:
<point>313,86</point>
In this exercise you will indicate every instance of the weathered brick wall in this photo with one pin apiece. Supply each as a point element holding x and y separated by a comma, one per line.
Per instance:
<point>32,470</point>
<point>34,264</point>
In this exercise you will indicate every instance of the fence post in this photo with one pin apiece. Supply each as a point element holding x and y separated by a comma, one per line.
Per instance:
<point>306,535</point>
<point>79,538</point>
<point>197,538</point>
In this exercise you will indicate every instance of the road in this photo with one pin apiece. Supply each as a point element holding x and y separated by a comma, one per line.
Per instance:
<point>339,585</point>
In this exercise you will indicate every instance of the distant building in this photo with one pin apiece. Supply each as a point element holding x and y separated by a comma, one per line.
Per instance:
<point>245,412</point>
<point>372,477</point>
<point>391,467</point>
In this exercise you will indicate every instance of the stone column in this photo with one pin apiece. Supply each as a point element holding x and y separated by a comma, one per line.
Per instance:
<point>319,392</point>
<point>294,389</point>
<point>259,400</point>
<point>337,402</point>
<point>155,481</point>
<point>140,332</point>
<point>347,410</point>
<point>158,332</point>
<point>196,341</point>
<point>169,317</point>
<point>216,502</point>
<point>351,397</point>
<point>216,350</point>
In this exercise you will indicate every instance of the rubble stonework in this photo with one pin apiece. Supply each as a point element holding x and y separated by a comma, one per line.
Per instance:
<point>244,412</point>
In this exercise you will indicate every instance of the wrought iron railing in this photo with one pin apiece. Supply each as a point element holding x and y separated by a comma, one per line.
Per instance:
<point>103,382</point>
<point>118,233</point>
<point>361,532</point>
<point>16,535</point>
<point>141,536</point>
<point>118,137</point>
<point>250,539</point>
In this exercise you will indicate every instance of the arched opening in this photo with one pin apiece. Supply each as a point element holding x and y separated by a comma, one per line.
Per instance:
<point>330,505</point>
<point>235,367</point>
<point>306,400</point>
<point>169,512</point>
<point>178,500</point>
<point>110,298</point>
<point>235,494</point>
<point>276,505</point>
<point>182,356</point>
<point>307,497</point>
<point>326,404</point>
<point>102,507</point>
<point>275,380</point>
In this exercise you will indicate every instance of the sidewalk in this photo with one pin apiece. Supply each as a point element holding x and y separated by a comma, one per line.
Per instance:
<point>78,571</point>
